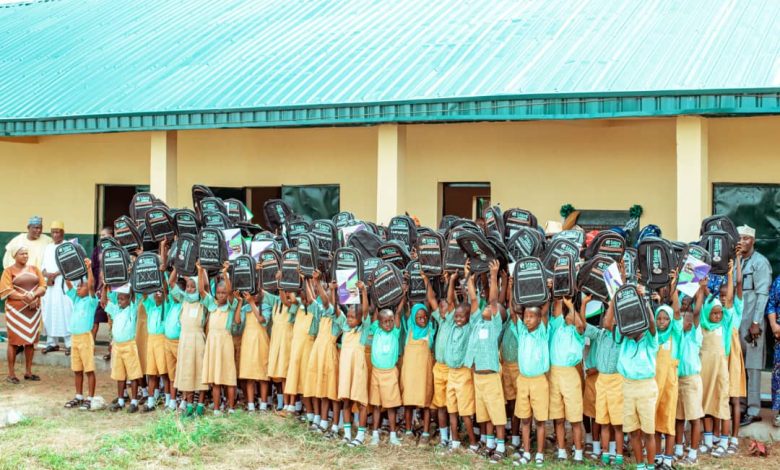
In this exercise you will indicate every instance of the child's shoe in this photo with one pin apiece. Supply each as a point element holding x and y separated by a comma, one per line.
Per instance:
<point>115,407</point>
<point>147,409</point>
<point>133,408</point>
<point>200,409</point>
<point>374,440</point>
<point>539,460</point>
<point>497,457</point>
<point>424,441</point>
<point>522,460</point>
<point>394,441</point>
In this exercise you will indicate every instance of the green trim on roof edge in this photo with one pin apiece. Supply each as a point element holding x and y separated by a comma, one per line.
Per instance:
<point>427,111</point>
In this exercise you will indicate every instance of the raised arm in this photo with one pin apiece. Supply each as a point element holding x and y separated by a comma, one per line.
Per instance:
<point>163,254</point>
<point>237,311</point>
<point>90,277</point>
<point>104,296</point>
<point>609,317</point>
<point>228,284</point>
<point>675,297</point>
<point>250,300</point>
<point>451,290</point>
<point>578,316</point>
<point>739,274</point>
<point>203,281</point>
<point>430,295</point>
<point>324,297</point>
<point>172,278</point>
<point>488,313</point>
<point>471,289</point>
<point>728,302</point>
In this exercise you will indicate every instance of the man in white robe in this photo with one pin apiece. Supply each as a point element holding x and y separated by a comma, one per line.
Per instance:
<point>56,307</point>
<point>33,239</point>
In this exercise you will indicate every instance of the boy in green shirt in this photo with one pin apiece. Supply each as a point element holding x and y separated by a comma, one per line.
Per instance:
<point>690,389</point>
<point>384,391</point>
<point>442,314</point>
<point>125,364</point>
<point>156,369</point>
<point>82,356</point>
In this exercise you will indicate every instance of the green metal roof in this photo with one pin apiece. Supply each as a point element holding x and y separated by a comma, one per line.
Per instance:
<point>72,66</point>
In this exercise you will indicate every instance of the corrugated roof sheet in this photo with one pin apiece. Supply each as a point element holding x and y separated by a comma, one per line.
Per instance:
<point>81,58</point>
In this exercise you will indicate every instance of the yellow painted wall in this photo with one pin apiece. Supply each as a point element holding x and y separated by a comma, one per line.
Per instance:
<point>273,157</point>
<point>542,165</point>
<point>56,178</point>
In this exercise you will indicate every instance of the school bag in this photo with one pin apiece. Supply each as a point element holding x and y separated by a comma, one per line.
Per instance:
<point>590,278</point>
<point>557,248</point>
<point>147,277</point>
<point>366,243</point>
<point>277,213</point>
<point>525,241</point>
<point>248,229</point>
<point>630,260</point>
<point>70,260</point>
<point>694,251</point>
<point>236,210</point>
<point>494,220</point>
<point>403,229</point>
<point>212,250</point>
<point>719,222</point>
<point>216,220</point>
<point>186,255</point>
<point>106,242</point>
<point>655,261</point>
<point>369,265</point>
<point>342,219</point>
<point>480,252</point>
<point>127,234</point>
<point>387,288</point>
<point>446,221</point>
<point>394,252</point>
<point>243,275</point>
<point>327,236</point>
<point>290,280</point>
<point>678,250</point>
<point>516,218</point>
<point>607,243</point>
<point>530,283</point>
<point>382,233</point>
<point>212,204</point>
<point>199,193</point>
<point>563,276</point>
<point>575,236</point>
<point>114,265</point>
<point>186,222</point>
<point>159,224</point>
<point>720,245</point>
<point>430,253</point>
<point>270,264</point>
<point>631,311</point>
<point>648,231</point>
<point>141,203</point>
<point>295,229</point>
<point>146,239</point>
<point>347,258</point>
<point>417,291</point>
<point>454,256</point>
<point>499,248</point>
<point>308,254</point>
<point>350,229</point>
<point>279,242</point>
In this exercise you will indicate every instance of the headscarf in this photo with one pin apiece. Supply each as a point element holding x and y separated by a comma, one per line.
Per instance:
<point>16,249</point>
<point>417,331</point>
<point>663,336</point>
<point>195,296</point>
<point>709,325</point>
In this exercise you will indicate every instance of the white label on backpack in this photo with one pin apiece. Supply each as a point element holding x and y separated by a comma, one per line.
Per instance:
<point>483,333</point>
<point>668,345</point>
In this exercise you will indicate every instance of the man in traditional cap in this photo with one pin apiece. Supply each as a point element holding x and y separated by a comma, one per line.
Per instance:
<point>33,239</point>
<point>756,280</point>
<point>56,307</point>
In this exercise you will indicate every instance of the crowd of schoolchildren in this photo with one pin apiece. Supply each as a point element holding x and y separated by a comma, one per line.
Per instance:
<point>465,369</point>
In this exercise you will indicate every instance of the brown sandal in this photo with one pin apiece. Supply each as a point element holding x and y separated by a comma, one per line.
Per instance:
<point>12,380</point>
<point>75,403</point>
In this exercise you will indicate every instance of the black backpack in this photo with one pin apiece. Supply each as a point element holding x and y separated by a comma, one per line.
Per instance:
<point>494,221</point>
<point>243,275</point>
<point>186,222</point>
<point>502,253</point>
<point>279,243</point>
<point>480,252</point>
<point>387,288</point>
<point>630,260</point>
<point>563,276</point>
<point>236,211</point>
<point>369,265</point>
<point>454,256</point>
<point>216,220</point>
<point>270,264</point>
<point>115,264</point>
<point>417,291</point>
<point>106,242</point>
<point>146,239</point>
<point>382,233</point>
<point>719,222</point>
<point>446,222</point>
<point>308,254</point>
<point>403,229</point>
<point>696,252</point>
<point>366,243</point>
<point>295,229</point>
<point>347,258</point>
<point>530,283</point>
<point>516,218</point>
<point>678,251</point>
<point>394,252</point>
<point>212,204</point>
<point>575,236</point>
<point>147,277</point>
<point>631,311</point>
<point>277,213</point>
<point>720,245</point>
<point>327,236</point>
<point>342,219</point>
<point>554,251</point>
<point>70,260</point>
<point>607,243</point>
<point>430,253</point>
<point>655,261</point>
<point>160,225</point>
<point>186,255</point>
<point>199,193</point>
<point>212,250</point>
<point>141,203</point>
<point>290,280</point>
<point>248,229</point>
<point>127,234</point>
<point>590,278</point>
<point>525,241</point>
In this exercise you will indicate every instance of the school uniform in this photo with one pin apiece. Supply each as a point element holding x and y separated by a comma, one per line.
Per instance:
<point>353,370</point>
<point>482,358</point>
<point>384,390</point>
<point>141,336</point>
<point>566,345</point>
<point>716,343</point>
<point>219,362</point>
<point>303,334</point>
<point>282,319</point>
<point>322,368</point>
<point>417,367</point>
<point>460,380</point>
<point>609,383</point>
<point>253,363</point>
<point>172,332</point>
<point>636,365</point>
<point>666,371</point>
<point>155,340</point>
<point>440,370</point>
<point>82,352</point>
<point>509,370</point>
<point>533,389</point>
<point>737,375</point>
<point>689,388</point>
<point>125,363</point>
<point>192,343</point>
<point>589,385</point>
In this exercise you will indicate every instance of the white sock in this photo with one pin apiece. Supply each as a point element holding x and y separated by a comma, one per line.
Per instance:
<point>144,393</point>
<point>724,442</point>
<point>539,455</point>
<point>279,400</point>
<point>250,406</point>
<point>310,417</point>
<point>335,427</point>
<point>482,438</point>
<point>588,438</point>
<point>375,434</point>
<point>443,434</point>
<point>455,444</point>
<point>678,450</point>
<point>692,453</point>
<point>578,454</point>
<point>612,447</point>
<point>263,406</point>
<point>491,442</point>
<point>79,396</point>
<point>183,405</point>
<point>516,441</point>
<point>156,393</point>
<point>562,454</point>
<point>121,402</point>
<point>167,397</point>
<point>361,434</point>
<point>298,406</point>
<point>89,399</point>
<point>134,402</point>
<point>393,436</point>
<point>323,424</point>
<point>734,440</point>
<point>474,447</point>
<point>316,420</point>
<point>708,439</point>
<point>500,445</point>
<point>596,447</point>
<point>150,402</point>
<point>668,460</point>
<point>348,431</point>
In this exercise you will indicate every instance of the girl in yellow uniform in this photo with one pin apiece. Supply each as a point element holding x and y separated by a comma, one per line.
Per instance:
<point>417,368</point>
<point>353,369</point>
<point>300,349</point>
<point>253,366</point>
<point>281,309</point>
<point>669,330</point>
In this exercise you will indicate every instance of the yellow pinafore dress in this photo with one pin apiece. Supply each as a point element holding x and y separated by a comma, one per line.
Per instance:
<point>192,347</point>
<point>279,347</point>
<point>254,350</point>
<point>353,370</point>
<point>300,349</point>
<point>322,371</point>
<point>666,379</point>
<point>417,372</point>
<point>141,336</point>
<point>737,379</point>
<point>714,374</point>
<point>219,362</point>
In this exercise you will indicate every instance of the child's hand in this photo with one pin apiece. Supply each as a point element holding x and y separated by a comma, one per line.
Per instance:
<point>494,267</point>
<point>278,275</point>
<point>225,266</point>
<point>467,268</point>
<point>361,285</point>
<point>731,265</point>
<point>258,266</point>
<point>656,297</point>
<point>316,275</point>
<point>549,283</point>
<point>587,299</point>
<point>88,263</point>
<point>236,294</point>
<point>424,277</point>
<point>197,265</point>
<point>641,289</point>
<point>568,303</point>
<point>672,276</point>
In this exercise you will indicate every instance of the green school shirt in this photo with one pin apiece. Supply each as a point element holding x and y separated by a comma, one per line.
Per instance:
<point>273,303</point>
<point>384,349</point>
<point>590,359</point>
<point>508,342</point>
<point>690,349</point>
<point>83,316</point>
<point>533,348</point>
<point>566,343</point>
<point>482,347</point>
<point>154,316</point>
<point>455,349</point>
<point>607,351</point>
<point>122,321</point>
<point>443,330</point>
<point>363,327</point>
<point>172,320</point>
<point>316,309</point>
<point>638,358</point>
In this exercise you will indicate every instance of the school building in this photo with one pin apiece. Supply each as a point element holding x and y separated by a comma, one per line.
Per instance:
<point>385,107</point>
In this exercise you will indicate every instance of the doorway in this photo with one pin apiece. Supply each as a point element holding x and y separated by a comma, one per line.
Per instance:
<point>467,200</point>
<point>113,201</point>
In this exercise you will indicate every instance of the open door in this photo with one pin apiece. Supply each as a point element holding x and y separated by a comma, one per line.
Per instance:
<point>467,200</point>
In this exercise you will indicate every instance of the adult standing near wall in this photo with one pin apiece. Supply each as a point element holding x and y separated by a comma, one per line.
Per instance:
<point>34,240</point>
<point>756,280</point>
<point>56,307</point>
<point>22,286</point>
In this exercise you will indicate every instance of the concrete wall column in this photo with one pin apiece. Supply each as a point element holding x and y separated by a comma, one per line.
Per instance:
<point>693,192</point>
<point>391,153</point>
<point>163,166</point>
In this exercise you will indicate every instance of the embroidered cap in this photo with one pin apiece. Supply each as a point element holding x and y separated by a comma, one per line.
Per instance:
<point>747,231</point>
